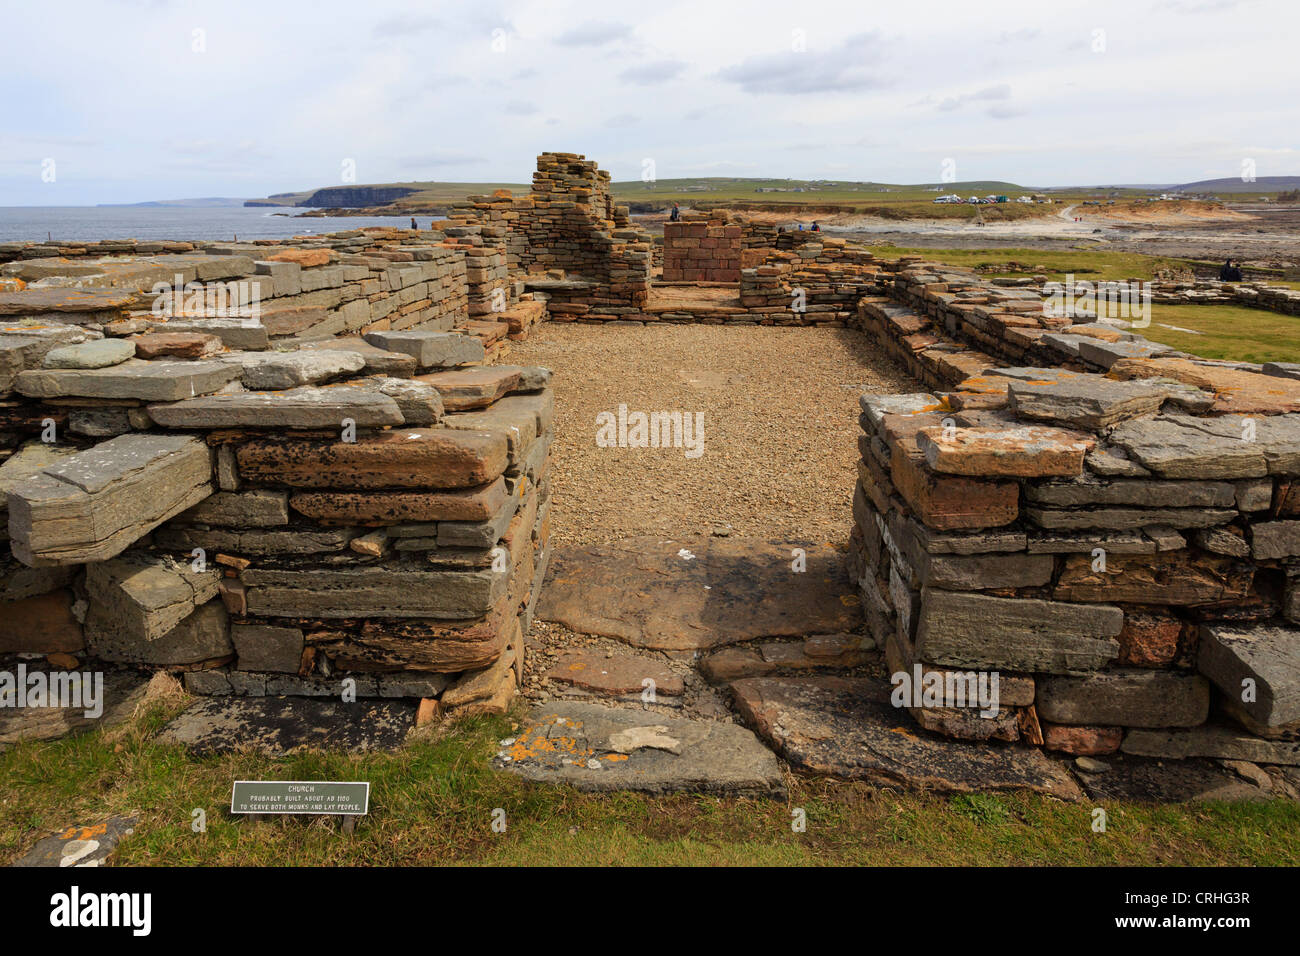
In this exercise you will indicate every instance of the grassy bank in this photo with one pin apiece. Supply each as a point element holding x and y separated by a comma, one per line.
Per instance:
<point>432,803</point>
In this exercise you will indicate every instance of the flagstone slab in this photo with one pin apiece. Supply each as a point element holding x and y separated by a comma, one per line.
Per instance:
<point>847,727</point>
<point>598,748</point>
<point>275,726</point>
<point>699,592</point>
<point>158,381</point>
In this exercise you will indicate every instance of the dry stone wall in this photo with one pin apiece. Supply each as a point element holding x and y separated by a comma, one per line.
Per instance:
<point>1111,531</point>
<point>293,470</point>
<point>701,251</point>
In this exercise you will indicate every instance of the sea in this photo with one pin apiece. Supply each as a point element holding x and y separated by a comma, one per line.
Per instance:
<point>83,223</point>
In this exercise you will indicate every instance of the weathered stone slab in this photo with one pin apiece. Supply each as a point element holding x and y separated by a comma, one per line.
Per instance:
<point>265,647</point>
<point>985,571</point>
<point>1179,446</point>
<point>1120,519</point>
<point>1094,402</point>
<point>95,504</point>
<point>876,407</point>
<point>698,592</point>
<point>1211,740</point>
<point>35,301</point>
<point>406,458</point>
<point>372,591</point>
<point>258,508</point>
<point>202,636</point>
<point>31,459</point>
<point>378,361</point>
<point>1236,390</point>
<point>161,381</point>
<point>948,503</point>
<point>431,349</point>
<point>1112,542</point>
<point>597,748</point>
<point>420,404</point>
<point>234,333</point>
<point>282,370</point>
<point>1029,451</point>
<point>101,353</point>
<point>144,595</point>
<point>278,726</point>
<point>187,345</point>
<point>1176,578</point>
<point>1223,541</point>
<point>1149,493</point>
<point>258,542</point>
<point>1134,779</point>
<point>614,675</point>
<point>1028,635</point>
<point>305,407</point>
<point>848,728</point>
<point>473,387</point>
<point>517,422</point>
<point>1268,657</point>
<point>1125,698</point>
<point>479,503</point>
<point>1270,540</point>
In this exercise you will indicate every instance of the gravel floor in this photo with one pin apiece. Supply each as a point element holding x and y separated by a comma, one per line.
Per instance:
<point>780,409</point>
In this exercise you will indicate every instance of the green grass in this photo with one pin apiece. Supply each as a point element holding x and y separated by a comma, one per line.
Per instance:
<point>1232,332</point>
<point>432,803</point>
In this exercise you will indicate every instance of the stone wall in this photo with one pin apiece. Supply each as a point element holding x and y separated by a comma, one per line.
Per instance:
<point>701,251</point>
<point>329,483</point>
<point>573,244</point>
<point>1113,533</point>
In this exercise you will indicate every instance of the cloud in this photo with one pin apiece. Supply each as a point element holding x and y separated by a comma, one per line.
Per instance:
<point>1000,92</point>
<point>521,108</point>
<point>594,34</point>
<point>404,24</point>
<point>648,74</point>
<point>442,159</point>
<point>1017,36</point>
<point>1004,112</point>
<point>839,70</point>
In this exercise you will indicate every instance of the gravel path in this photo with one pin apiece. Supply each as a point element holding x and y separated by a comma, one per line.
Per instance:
<point>780,409</point>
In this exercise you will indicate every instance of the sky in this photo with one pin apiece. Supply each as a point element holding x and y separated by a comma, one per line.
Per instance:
<point>134,100</point>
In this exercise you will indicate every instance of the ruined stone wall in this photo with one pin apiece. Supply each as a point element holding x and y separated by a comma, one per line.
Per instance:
<point>701,251</point>
<point>568,230</point>
<point>1116,540</point>
<point>332,484</point>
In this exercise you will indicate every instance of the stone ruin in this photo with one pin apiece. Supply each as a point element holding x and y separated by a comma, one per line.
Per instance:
<point>354,484</point>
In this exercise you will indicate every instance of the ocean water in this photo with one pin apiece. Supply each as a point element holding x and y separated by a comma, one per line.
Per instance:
<point>37,223</point>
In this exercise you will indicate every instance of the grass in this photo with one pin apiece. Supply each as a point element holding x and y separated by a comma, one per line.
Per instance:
<point>1232,332</point>
<point>432,803</point>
